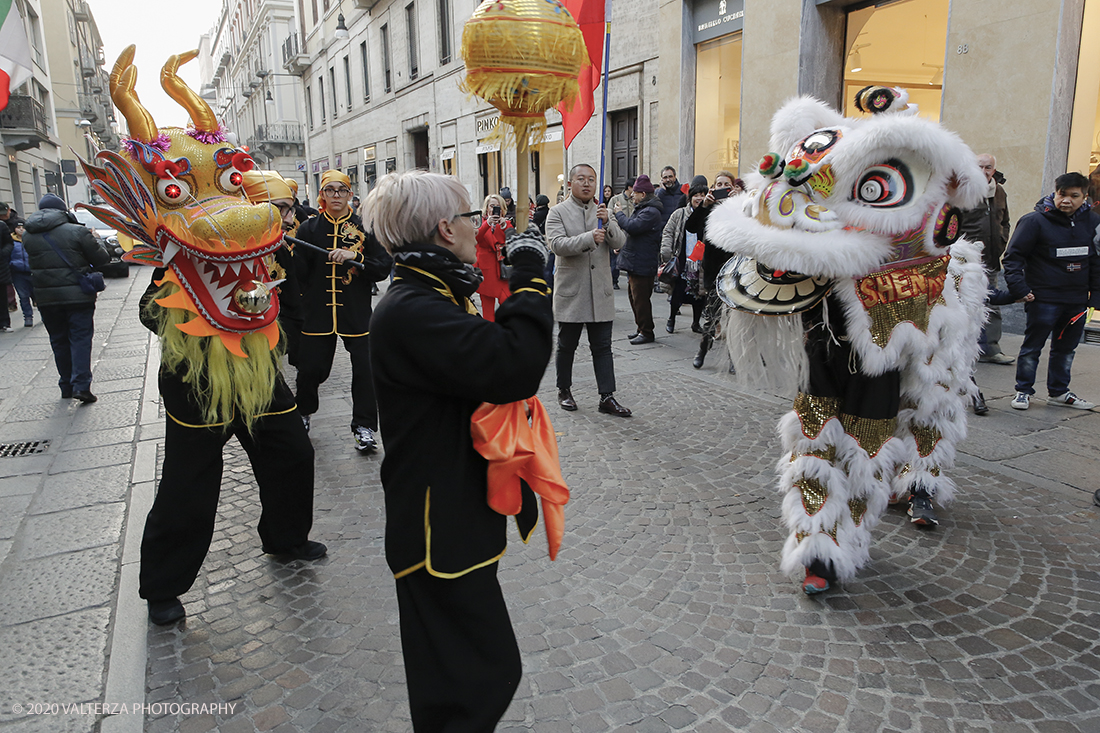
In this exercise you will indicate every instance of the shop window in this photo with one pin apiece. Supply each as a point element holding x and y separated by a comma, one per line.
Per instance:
<point>898,44</point>
<point>489,172</point>
<point>718,106</point>
<point>1084,138</point>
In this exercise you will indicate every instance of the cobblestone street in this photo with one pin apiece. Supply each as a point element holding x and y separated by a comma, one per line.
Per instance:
<point>665,609</point>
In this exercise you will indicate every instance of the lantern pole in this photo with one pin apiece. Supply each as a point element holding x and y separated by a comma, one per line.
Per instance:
<point>606,70</point>
<point>523,167</point>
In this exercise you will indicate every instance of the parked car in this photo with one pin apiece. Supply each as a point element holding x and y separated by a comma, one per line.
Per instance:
<point>108,239</point>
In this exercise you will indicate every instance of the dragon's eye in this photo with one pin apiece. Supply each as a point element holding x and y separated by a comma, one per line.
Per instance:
<point>231,180</point>
<point>173,190</point>
<point>885,185</point>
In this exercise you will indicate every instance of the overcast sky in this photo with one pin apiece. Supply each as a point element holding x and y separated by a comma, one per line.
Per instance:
<point>158,28</point>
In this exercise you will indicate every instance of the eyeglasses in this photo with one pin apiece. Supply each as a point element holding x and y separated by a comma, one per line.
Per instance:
<point>329,191</point>
<point>473,216</point>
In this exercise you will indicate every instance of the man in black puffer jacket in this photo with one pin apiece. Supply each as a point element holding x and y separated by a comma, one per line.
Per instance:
<point>1052,260</point>
<point>640,255</point>
<point>60,251</point>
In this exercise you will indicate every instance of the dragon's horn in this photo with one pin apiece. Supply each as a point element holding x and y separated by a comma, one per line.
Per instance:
<point>196,106</point>
<point>123,79</point>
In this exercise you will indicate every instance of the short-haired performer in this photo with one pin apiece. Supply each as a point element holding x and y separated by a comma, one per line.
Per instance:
<point>446,380</point>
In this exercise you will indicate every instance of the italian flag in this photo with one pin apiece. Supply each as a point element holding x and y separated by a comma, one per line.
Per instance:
<point>15,52</point>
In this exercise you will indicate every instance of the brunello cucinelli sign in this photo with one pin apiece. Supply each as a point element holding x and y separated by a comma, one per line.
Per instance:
<point>714,18</point>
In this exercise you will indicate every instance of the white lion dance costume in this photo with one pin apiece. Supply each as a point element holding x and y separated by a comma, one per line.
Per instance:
<point>849,284</point>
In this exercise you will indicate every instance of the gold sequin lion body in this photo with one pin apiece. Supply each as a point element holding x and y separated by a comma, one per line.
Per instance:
<point>850,285</point>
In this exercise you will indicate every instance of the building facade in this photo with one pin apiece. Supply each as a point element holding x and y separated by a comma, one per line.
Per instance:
<point>28,125</point>
<point>85,115</point>
<point>694,83</point>
<point>243,80</point>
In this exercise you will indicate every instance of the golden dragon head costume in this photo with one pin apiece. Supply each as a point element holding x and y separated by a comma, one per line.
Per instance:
<point>178,194</point>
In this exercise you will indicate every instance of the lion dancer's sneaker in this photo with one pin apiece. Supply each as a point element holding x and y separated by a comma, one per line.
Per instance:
<point>820,577</point>
<point>921,512</point>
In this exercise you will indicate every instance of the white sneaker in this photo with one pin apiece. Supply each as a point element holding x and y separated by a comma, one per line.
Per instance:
<point>1071,400</point>
<point>1021,401</point>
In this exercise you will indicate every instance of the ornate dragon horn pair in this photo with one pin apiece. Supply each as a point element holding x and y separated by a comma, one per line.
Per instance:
<point>142,126</point>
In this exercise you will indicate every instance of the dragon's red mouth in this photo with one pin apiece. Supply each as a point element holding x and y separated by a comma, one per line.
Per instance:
<point>213,280</point>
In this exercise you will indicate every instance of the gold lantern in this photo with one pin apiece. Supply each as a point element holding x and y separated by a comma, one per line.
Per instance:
<point>523,57</point>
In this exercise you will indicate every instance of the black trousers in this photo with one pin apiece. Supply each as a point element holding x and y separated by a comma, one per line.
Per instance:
<point>180,525</point>
<point>462,661</point>
<point>599,341</point>
<point>315,355</point>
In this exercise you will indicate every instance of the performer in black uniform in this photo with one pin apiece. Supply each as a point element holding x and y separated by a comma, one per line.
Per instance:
<point>270,187</point>
<point>336,299</point>
<point>435,361</point>
<point>180,525</point>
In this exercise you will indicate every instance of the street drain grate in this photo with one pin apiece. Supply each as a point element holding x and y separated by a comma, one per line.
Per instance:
<point>13,450</point>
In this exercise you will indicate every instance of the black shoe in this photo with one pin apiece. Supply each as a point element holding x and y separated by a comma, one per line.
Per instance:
<point>921,512</point>
<point>704,347</point>
<point>610,406</point>
<point>696,328</point>
<point>166,612</point>
<point>85,396</point>
<point>309,550</point>
<point>365,441</point>
<point>1096,498</point>
<point>980,408</point>
<point>642,339</point>
<point>66,394</point>
<point>670,326</point>
<point>566,401</point>
<point>615,286</point>
<point>634,335</point>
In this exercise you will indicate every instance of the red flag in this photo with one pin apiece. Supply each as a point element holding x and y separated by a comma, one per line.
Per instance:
<point>589,15</point>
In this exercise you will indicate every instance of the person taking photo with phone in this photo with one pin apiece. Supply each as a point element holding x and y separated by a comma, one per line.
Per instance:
<point>725,185</point>
<point>490,255</point>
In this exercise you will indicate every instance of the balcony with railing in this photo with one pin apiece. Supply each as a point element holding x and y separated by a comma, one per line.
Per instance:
<point>289,133</point>
<point>295,58</point>
<point>23,123</point>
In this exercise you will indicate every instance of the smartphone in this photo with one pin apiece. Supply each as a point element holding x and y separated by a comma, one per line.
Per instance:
<point>720,193</point>
<point>496,211</point>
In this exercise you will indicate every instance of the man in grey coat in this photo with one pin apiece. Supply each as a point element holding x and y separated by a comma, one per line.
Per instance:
<point>583,294</point>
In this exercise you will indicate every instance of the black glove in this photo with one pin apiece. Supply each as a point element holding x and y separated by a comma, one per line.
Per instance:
<point>526,249</point>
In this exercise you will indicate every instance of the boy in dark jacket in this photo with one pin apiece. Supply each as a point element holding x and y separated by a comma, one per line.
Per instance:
<point>1053,256</point>
<point>435,361</point>
<point>60,250</point>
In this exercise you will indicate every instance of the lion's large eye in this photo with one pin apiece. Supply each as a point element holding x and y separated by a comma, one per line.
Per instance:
<point>173,190</point>
<point>819,141</point>
<point>884,185</point>
<point>230,180</point>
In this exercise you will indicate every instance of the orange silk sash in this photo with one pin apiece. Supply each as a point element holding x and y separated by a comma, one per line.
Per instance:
<point>520,449</point>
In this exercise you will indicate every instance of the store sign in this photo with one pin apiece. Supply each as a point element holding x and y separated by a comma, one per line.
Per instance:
<point>486,125</point>
<point>714,18</point>
<point>552,135</point>
<point>447,154</point>
<point>487,148</point>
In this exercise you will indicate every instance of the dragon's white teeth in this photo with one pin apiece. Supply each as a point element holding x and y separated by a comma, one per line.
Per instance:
<point>275,283</point>
<point>171,249</point>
